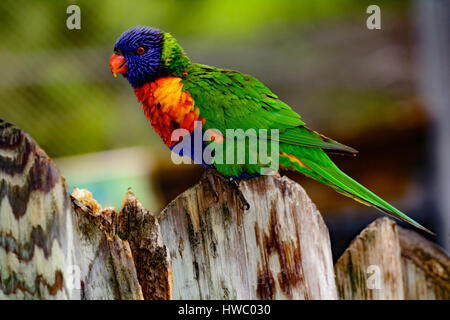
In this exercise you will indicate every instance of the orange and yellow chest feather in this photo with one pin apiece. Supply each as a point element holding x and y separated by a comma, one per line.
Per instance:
<point>168,107</point>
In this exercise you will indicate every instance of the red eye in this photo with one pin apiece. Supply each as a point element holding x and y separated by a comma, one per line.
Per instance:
<point>140,50</point>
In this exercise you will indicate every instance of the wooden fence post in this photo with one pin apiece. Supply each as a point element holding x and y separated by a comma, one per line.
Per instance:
<point>37,252</point>
<point>151,257</point>
<point>279,249</point>
<point>57,246</point>
<point>388,262</point>
<point>50,249</point>
<point>105,260</point>
<point>425,267</point>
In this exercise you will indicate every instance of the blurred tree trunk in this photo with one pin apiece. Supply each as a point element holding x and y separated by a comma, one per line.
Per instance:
<point>433,31</point>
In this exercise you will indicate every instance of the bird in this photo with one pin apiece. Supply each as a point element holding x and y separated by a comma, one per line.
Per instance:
<point>176,93</point>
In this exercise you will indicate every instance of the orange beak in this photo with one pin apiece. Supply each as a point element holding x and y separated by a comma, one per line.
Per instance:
<point>117,64</point>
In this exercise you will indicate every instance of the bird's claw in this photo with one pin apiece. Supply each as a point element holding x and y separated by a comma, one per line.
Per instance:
<point>245,205</point>
<point>235,186</point>
<point>212,184</point>
<point>216,195</point>
<point>209,175</point>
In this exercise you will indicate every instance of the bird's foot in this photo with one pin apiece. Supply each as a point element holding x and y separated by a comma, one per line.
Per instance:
<point>235,186</point>
<point>209,176</point>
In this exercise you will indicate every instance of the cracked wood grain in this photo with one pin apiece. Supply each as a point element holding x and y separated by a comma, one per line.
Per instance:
<point>151,256</point>
<point>50,248</point>
<point>389,262</point>
<point>36,225</point>
<point>105,260</point>
<point>57,246</point>
<point>425,266</point>
<point>279,249</point>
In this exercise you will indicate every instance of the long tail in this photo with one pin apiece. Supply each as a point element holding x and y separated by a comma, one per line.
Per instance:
<point>316,164</point>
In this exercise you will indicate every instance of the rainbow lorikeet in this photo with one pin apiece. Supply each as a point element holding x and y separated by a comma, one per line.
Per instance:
<point>177,93</point>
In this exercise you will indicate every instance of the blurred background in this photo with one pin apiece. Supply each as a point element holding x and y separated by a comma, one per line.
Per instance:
<point>384,92</point>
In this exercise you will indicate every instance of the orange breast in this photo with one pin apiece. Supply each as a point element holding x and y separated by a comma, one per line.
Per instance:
<point>168,107</point>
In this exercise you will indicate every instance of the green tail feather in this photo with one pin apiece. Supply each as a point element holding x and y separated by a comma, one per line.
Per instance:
<point>325,171</point>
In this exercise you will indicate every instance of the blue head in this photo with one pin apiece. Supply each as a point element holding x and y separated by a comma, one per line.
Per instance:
<point>137,55</point>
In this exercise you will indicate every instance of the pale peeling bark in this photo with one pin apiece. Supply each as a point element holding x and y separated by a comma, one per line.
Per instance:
<point>370,268</point>
<point>279,249</point>
<point>50,249</point>
<point>36,226</point>
<point>388,262</point>
<point>105,261</point>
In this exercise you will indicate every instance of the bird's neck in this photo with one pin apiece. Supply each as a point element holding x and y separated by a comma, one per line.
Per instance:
<point>173,57</point>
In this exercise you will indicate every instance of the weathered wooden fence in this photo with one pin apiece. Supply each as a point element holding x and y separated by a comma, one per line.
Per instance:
<point>59,246</point>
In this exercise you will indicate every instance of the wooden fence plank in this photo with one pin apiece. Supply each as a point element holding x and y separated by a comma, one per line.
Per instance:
<point>279,249</point>
<point>388,262</point>
<point>426,268</point>
<point>36,226</point>
<point>151,256</point>
<point>57,246</point>
<point>107,269</point>
<point>50,249</point>
<point>370,268</point>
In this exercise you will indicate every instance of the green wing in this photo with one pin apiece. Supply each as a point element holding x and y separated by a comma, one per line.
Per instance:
<point>231,100</point>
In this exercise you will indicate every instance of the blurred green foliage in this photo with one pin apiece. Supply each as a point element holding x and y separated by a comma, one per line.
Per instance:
<point>55,83</point>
